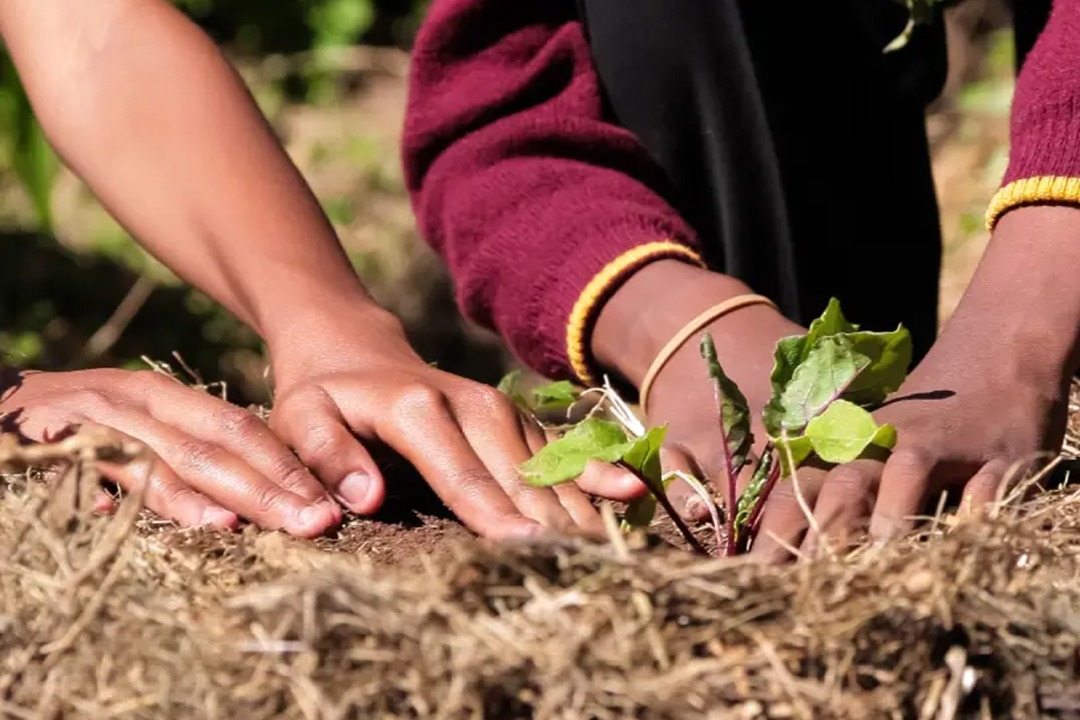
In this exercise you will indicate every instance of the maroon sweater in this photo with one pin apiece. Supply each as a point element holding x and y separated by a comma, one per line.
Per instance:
<point>540,206</point>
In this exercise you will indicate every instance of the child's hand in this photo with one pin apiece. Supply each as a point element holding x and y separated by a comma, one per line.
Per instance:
<point>355,381</point>
<point>216,462</point>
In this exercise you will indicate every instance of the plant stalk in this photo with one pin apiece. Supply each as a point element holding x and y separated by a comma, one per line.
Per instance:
<point>730,547</point>
<point>662,499</point>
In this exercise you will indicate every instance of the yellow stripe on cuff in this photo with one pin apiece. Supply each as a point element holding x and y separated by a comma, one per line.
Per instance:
<point>596,291</point>
<point>1030,191</point>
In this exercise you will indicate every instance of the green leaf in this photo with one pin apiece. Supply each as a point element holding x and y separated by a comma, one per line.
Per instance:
<point>566,458</point>
<point>890,357</point>
<point>844,431</point>
<point>555,396</point>
<point>800,449</point>
<point>792,351</point>
<point>640,512</point>
<point>827,371</point>
<point>509,387</point>
<point>733,410</point>
<point>33,159</point>
<point>644,455</point>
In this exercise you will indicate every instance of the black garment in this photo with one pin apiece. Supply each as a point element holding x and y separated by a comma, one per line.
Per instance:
<point>793,145</point>
<point>1030,18</point>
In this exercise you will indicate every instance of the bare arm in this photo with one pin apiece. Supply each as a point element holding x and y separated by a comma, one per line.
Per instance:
<point>142,105</point>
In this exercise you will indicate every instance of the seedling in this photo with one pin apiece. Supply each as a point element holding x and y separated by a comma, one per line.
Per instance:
<point>823,383</point>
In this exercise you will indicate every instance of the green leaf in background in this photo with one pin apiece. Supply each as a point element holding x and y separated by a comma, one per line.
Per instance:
<point>823,376</point>
<point>566,458</point>
<point>733,409</point>
<point>844,431</point>
<point>920,12</point>
<point>30,154</point>
<point>555,396</point>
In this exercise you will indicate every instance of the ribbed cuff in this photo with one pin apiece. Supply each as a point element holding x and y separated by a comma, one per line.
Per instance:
<point>1044,158</point>
<point>602,285</point>
<point>1045,190</point>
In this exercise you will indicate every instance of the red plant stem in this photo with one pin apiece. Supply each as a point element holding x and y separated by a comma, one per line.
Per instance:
<point>661,497</point>
<point>730,548</point>
<point>759,506</point>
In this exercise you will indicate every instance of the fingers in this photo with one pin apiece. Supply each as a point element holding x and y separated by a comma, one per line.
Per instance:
<point>683,498</point>
<point>420,426</point>
<point>495,430</point>
<point>613,483</point>
<point>902,493</point>
<point>166,494</point>
<point>784,521</point>
<point>843,505</point>
<point>314,427</point>
<point>234,429</point>
<point>982,488</point>
<point>229,482</point>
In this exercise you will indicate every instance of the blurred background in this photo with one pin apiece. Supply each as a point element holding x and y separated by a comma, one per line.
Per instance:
<point>76,291</point>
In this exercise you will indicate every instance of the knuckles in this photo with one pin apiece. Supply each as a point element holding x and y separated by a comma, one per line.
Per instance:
<point>416,400</point>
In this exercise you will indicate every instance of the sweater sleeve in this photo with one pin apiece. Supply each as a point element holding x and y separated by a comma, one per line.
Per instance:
<point>1044,134</point>
<point>538,205</point>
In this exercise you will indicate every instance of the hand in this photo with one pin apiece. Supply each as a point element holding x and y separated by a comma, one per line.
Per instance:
<point>633,327</point>
<point>992,392</point>
<point>358,382</point>
<point>215,462</point>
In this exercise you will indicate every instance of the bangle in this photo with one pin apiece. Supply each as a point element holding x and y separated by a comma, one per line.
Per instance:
<point>713,313</point>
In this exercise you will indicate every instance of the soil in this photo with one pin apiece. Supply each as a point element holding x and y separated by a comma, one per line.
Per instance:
<point>408,617</point>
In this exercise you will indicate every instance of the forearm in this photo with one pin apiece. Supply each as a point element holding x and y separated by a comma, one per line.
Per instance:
<point>141,104</point>
<point>1023,303</point>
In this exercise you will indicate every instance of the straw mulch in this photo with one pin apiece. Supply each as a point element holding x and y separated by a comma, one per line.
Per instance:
<point>125,617</point>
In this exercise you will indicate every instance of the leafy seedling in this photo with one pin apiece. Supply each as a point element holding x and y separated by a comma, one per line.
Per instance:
<point>823,383</point>
<point>561,395</point>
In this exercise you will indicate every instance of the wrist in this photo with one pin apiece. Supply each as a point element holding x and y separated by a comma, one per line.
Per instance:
<point>328,336</point>
<point>1023,303</point>
<point>656,303</point>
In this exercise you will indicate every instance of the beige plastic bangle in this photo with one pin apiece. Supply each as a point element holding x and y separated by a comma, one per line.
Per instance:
<point>673,345</point>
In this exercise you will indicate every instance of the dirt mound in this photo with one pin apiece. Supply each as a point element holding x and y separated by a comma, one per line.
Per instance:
<point>128,617</point>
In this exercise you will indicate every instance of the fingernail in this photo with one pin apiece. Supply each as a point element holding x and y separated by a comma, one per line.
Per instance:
<point>525,531</point>
<point>356,489</point>
<point>314,518</point>
<point>217,517</point>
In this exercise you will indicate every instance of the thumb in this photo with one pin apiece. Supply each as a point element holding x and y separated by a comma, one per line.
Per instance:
<point>313,426</point>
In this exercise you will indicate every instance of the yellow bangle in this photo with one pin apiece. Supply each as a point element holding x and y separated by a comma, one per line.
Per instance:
<point>713,313</point>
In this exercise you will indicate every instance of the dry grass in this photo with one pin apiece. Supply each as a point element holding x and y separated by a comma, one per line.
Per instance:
<point>125,617</point>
